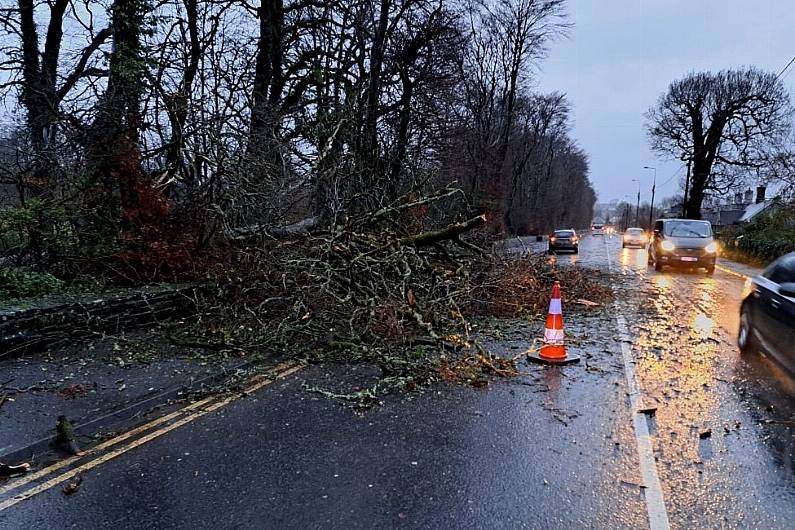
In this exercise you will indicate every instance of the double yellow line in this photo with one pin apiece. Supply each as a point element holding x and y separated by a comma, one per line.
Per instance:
<point>160,425</point>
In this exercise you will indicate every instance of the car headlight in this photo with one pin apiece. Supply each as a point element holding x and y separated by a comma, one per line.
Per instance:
<point>668,246</point>
<point>552,239</point>
<point>712,247</point>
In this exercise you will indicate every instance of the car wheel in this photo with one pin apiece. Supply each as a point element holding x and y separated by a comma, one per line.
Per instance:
<point>711,270</point>
<point>745,336</point>
<point>576,250</point>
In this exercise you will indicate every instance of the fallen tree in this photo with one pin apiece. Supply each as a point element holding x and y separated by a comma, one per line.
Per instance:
<point>369,290</point>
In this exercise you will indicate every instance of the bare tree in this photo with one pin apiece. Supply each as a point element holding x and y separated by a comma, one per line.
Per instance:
<point>35,71</point>
<point>266,114</point>
<point>720,122</point>
<point>507,37</point>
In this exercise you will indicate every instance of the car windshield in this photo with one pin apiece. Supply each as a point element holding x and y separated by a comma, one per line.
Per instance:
<point>635,231</point>
<point>564,233</point>
<point>688,229</point>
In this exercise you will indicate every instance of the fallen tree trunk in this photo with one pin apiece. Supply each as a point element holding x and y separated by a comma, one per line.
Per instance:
<point>450,232</point>
<point>299,228</point>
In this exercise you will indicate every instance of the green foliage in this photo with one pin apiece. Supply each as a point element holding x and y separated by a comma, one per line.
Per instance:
<point>765,239</point>
<point>21,283</point>
<point>36,228</point>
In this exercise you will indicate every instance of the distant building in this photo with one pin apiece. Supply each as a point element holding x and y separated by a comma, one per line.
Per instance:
<point>607,213</point>
<point>743,207</point>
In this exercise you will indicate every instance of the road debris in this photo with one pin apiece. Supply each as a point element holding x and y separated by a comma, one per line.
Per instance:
<point>73,486</point>
<point>10,471</point>
<point>66,439</point>
<point>584,302</point>
<point>72,392</point>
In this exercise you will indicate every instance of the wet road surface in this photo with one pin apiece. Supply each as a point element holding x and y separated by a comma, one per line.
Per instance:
<point>554,448</point>
<point>723,425</point>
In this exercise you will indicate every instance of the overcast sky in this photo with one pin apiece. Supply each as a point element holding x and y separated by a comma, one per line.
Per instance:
<point>622,54</point>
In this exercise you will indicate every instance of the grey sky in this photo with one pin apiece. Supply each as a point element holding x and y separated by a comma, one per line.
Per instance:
<point>622,54</point>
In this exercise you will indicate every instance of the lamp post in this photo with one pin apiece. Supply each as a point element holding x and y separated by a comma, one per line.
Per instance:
<point>625,214</point>
<point>653,186</point>
<point>637,206</point>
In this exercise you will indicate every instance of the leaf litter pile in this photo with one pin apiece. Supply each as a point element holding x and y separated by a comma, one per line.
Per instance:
<point>381,290</point>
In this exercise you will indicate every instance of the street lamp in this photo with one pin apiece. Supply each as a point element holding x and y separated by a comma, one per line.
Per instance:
<point>653,186</point>
<point>637,206</point>
<point>625,213</point>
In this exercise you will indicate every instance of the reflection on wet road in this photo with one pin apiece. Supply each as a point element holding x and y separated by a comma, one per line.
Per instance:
<point>723,423</point>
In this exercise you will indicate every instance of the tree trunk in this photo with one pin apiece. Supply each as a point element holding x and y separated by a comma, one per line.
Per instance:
<point>263,149</point>
<point>39,95</point>
<point>370,148</point>
<point>401,146</point>
<point>178,104</point>
<point>695,197</point>
<point>113,154</point>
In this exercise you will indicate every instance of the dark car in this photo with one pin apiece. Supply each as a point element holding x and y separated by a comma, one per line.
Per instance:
<point>564,240</point>
<point>683,243</point>
<point>767,313</point>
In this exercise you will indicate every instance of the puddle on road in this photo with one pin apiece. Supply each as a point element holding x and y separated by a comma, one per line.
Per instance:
<point>632,259</point>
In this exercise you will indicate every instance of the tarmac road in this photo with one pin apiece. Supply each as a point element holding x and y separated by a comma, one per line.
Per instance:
<point>662,425</point>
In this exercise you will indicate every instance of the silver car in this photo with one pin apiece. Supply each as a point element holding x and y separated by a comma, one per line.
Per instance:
<point>634,237</point>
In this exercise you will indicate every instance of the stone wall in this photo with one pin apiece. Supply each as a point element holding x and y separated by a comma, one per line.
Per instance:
<point>58,319</point>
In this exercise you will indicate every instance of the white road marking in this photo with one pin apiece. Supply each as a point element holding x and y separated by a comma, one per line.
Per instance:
<point>655,503</point>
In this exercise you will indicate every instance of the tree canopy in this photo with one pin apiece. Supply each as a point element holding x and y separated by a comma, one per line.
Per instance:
<point>725,124</point>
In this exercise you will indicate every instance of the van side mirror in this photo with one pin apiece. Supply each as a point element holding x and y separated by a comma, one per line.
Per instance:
<point>787,289</point>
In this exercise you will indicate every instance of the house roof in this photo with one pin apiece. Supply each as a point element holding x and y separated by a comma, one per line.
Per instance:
<point>753,210</point>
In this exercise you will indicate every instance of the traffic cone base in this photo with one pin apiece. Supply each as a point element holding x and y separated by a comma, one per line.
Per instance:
<point>548,355</point>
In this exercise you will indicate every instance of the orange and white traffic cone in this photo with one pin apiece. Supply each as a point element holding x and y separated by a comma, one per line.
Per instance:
<point>554,349</point>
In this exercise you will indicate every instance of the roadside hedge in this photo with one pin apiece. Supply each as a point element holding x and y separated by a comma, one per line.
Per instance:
<point>20,283</point>
<point>762,241</point>
<point>765,249</point>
